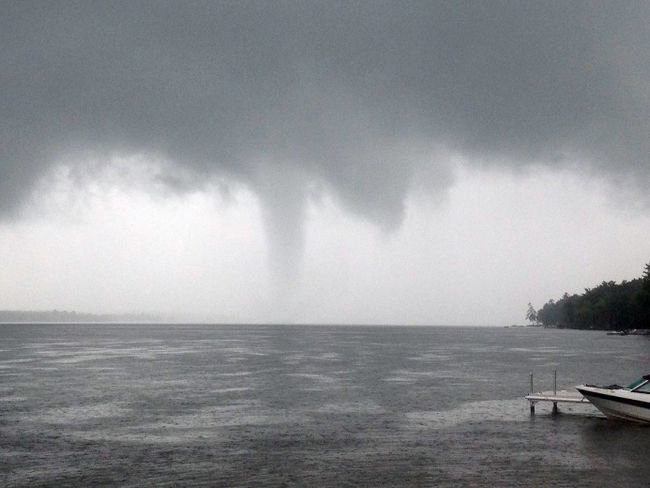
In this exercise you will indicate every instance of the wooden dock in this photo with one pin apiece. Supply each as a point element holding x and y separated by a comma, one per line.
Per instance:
<point>556,396</point>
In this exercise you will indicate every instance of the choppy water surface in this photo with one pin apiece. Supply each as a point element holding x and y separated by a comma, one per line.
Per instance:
<point>205,405</point>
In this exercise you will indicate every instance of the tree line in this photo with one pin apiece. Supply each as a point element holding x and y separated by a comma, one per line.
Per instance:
<point>608,306</point>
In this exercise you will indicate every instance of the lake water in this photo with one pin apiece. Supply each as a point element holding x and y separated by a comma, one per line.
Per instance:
<point>204,405</point>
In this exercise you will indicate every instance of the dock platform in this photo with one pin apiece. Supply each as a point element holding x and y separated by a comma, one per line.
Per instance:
<point>556,396</point>
<point>562,396</point>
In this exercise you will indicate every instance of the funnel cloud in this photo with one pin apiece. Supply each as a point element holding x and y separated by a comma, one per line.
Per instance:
<point>356,99</point>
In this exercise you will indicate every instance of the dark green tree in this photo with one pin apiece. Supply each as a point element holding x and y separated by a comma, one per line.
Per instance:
<point>610,306</point>
<point>531,314</point>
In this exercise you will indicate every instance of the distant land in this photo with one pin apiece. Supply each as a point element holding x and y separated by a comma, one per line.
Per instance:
<point>609,306</point>
<point>20,316</point>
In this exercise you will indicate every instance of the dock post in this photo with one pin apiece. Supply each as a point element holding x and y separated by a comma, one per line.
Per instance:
<point>555,390</point>
<point>532,403</point>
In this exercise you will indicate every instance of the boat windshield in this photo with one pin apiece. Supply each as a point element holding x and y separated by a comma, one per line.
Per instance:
<point>644,388</point>
<point>636,383</point>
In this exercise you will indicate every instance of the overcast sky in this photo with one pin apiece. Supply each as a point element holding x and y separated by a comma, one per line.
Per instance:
<point>340,162</point>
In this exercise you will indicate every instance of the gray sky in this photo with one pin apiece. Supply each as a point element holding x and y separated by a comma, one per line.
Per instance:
<point>382,162</point>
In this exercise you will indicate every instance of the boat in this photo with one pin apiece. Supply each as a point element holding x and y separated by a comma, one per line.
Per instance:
<point>631,403</point>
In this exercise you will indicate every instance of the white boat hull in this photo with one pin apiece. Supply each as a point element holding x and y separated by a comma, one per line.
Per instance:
<point>619,404</point>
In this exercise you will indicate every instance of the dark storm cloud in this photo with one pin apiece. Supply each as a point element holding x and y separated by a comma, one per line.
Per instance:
<point>324,91</point>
